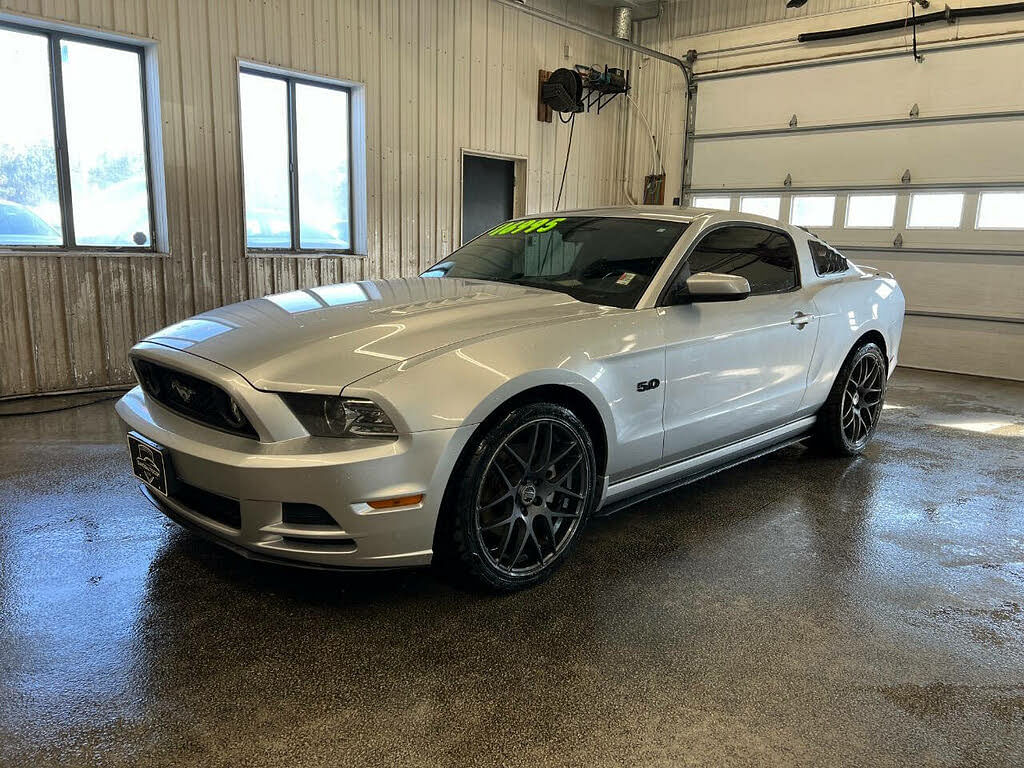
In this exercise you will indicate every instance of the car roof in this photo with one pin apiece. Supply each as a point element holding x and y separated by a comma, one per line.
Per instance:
<point>669,213</point>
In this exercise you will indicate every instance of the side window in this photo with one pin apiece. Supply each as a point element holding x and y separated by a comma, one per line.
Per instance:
<point>826,260</point>
<point>766,258</point>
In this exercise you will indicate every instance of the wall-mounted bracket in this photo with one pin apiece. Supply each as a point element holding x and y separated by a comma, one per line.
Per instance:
<point>793,122</point>
<point>788,181</point>
<point>905,178</point>
<point>898,240</point>
<point>915,110</point>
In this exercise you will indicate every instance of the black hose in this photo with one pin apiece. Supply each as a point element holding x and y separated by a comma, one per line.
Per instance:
<point>11,414</point>
<point>949,15</point>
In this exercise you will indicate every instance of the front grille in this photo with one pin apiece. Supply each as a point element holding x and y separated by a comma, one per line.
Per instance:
<point>193,398</point>
<point>218,508</point>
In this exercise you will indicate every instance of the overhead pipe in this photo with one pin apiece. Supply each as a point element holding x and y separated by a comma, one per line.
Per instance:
<point>552,18</point>
<point>622,22</point>
<point>948,15</point>
<point>684,67</point>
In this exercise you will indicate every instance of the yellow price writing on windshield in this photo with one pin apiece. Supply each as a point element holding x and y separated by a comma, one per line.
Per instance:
<point>526,225</point>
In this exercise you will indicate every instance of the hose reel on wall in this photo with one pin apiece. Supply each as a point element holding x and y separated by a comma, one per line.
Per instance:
<point>571,91</point>
<point>582,88</point>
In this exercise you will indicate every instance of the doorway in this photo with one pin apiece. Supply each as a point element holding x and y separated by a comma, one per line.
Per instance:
<point>488,193</point>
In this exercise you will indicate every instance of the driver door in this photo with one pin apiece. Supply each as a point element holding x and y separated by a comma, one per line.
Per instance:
<point>736,368</point>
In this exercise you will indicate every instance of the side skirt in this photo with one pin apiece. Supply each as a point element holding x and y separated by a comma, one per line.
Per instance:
<point>696,468</point>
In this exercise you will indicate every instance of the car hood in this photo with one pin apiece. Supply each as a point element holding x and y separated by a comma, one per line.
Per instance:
<point>322,339</point>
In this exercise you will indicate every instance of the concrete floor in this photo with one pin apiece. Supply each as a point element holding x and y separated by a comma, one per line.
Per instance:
<point>794,611</point>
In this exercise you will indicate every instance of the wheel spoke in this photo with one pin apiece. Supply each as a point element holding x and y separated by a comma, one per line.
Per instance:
<point>567,492</point>
<point>504,497</point>
<point>536,542</point>
<point>551,532</point>
<point>508,483</point>
<point>570,515</point>
<point>522,545</point>
<point>558,480</point>
<point>569,449</point>
<point>514,455</point>
<point>505,543</point>
<point>533,447</point>
<point>867,373</point>
<point>507,521</point>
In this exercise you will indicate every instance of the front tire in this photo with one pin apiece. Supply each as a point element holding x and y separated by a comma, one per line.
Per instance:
<point>849,418</point>
<point>523,497</point>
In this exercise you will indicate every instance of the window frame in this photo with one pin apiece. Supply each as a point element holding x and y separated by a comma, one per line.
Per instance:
<point>933,193</point>
<point>291,79</point>
<point>821,196</point>
<point>977,213</point>
<point>695,204</point>
<point>892,218</point>
<point>762,196</point>
<point>665,295</point>
<point>53,37</point>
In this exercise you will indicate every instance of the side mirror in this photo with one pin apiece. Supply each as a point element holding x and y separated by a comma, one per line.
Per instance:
<point>711,286</point>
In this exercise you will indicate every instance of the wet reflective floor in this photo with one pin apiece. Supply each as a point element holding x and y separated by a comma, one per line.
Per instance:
<point>796,610</point>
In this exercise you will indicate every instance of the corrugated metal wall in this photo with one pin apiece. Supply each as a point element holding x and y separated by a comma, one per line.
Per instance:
<point>684,18</point>
<point>441,75</point>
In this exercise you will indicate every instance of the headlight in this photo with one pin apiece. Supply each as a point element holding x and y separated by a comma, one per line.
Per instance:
<point>333,416</point>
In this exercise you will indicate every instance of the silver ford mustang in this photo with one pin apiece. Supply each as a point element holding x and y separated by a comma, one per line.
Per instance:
<point>553,368</point>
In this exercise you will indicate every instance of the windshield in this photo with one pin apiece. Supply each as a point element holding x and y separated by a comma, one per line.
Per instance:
<point>595,259</point>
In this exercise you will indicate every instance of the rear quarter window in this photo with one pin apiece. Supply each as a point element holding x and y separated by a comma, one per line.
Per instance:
<point>827,261</point>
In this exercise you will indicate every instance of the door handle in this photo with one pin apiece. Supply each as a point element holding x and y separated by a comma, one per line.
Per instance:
<point>800,319</point>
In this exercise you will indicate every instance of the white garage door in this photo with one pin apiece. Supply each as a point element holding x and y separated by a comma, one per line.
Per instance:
<point>953,234</point>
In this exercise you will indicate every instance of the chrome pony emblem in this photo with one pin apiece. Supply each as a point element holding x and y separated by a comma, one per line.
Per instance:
<point>182,391</point>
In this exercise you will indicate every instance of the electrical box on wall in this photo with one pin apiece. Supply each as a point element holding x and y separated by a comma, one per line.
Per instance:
<point>654,189</point>
<point>543,110</point>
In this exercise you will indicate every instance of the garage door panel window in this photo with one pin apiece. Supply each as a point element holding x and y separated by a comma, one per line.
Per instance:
<point>765,257</point>
<point>935,210</point>
<point>74,163</point>
<point>1001,210</point>
<point>296,140</point>
<point>712,202</point>
<point>813,210</point>
<point>768,206</point>
<point>870,211</point>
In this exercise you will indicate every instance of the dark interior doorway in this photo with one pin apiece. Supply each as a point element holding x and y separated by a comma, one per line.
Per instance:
<point>488,193</point>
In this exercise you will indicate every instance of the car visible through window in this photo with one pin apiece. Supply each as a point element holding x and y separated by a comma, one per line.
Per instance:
<point>765,257</point>
<point>596,259</point>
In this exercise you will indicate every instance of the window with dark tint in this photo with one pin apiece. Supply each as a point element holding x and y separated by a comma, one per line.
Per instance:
<point>826,260</point>
<point>766,258</point>
<point>596,259</point>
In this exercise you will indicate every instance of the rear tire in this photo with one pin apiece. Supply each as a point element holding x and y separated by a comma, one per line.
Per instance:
<point>521,500</point>
<point>849,418</point>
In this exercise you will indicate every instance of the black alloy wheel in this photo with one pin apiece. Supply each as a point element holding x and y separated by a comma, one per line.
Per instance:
<point>528,490</point>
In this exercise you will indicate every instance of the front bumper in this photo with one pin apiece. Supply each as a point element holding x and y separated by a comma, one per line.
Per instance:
<point>338,475</point>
